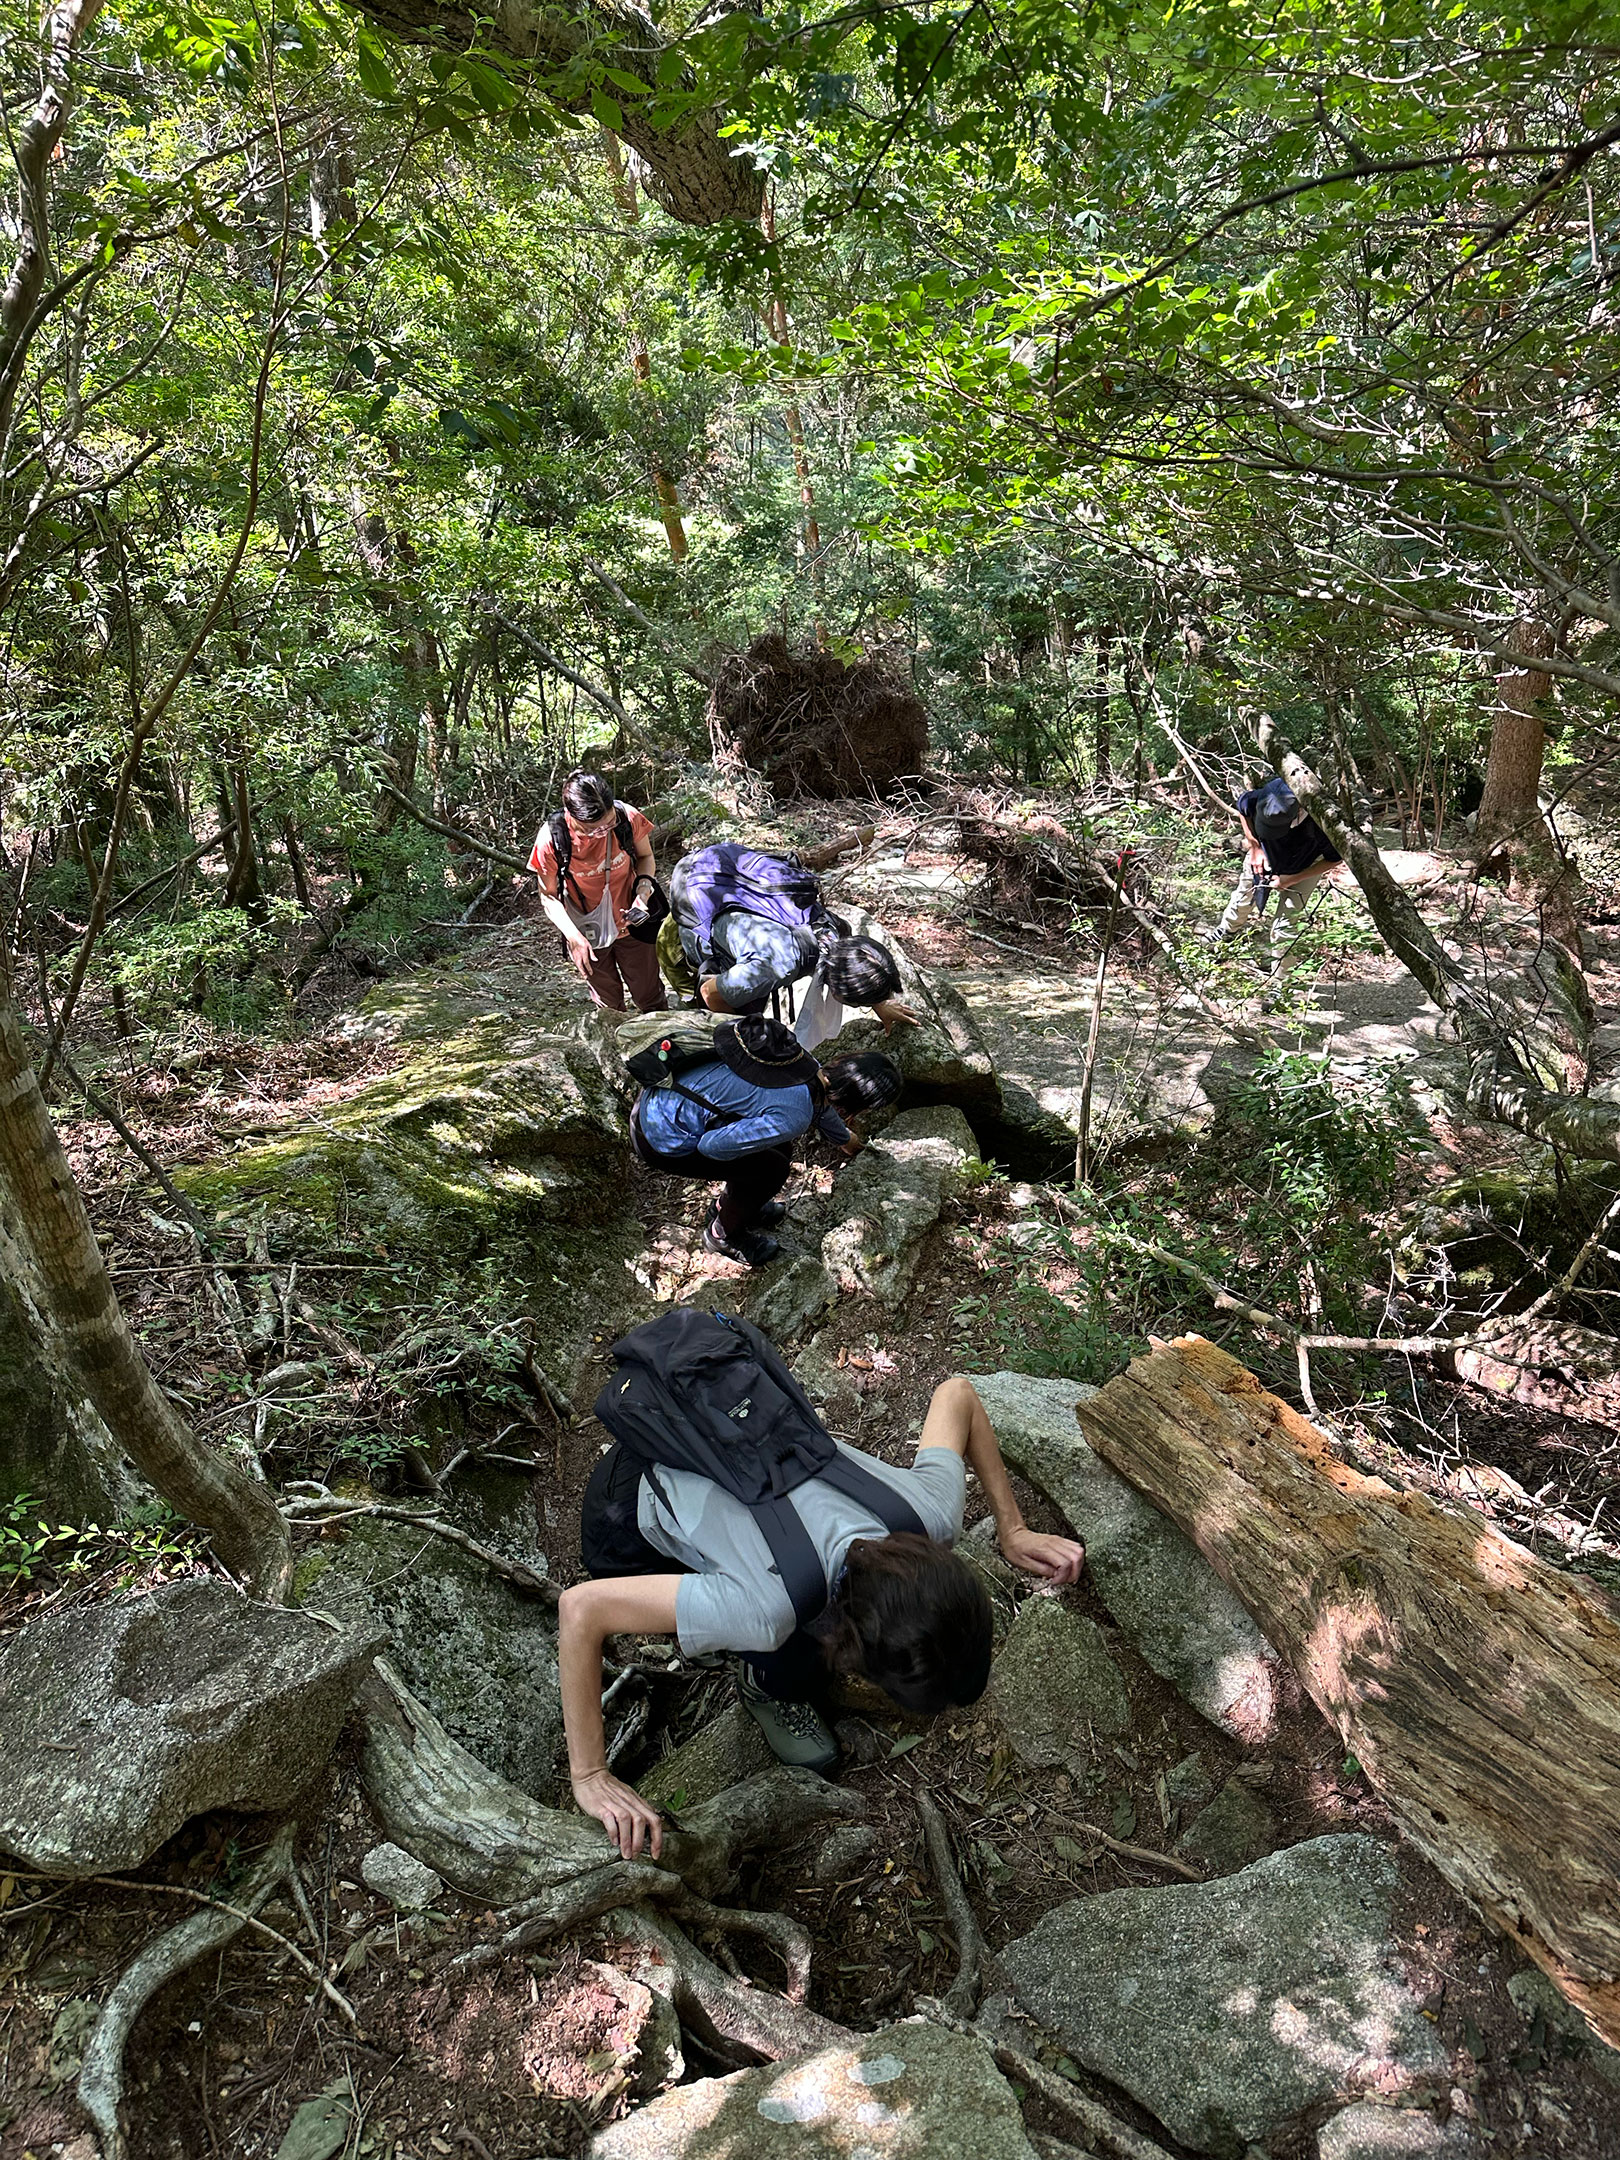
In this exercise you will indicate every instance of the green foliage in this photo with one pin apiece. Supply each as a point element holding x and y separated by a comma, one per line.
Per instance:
<point>138,1542</point>
<point>1326,1155</point>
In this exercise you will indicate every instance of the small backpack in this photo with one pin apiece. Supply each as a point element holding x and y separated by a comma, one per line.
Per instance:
<point>733,876</point>
<point>705,1392</point>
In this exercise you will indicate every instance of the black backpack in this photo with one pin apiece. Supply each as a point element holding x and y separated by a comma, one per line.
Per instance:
<point>701,1391</point>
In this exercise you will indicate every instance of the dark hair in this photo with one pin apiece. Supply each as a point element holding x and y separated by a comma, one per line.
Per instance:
<point>586,796</point>
<point>860,971</point>
<point>863,1082</point>
<point>912,1618</point>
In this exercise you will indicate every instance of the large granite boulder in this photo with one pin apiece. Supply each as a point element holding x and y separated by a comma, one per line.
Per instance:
<point>885,1204</point>
<point>1367,2131</point>
<point>1229,2008</point>
<point>1056,1690</point>
<point>121,1721</point>
<point>728,1749</point>
<point>909,2092</point>
<point>1160,1589</point>
<point>478,1653</point>
<point>946,1059</point>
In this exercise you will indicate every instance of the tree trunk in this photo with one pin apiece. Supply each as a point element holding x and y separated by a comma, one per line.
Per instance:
<point>1510,825</point>
<point>244,885</point>
<point>45,1215</point>
<point>776,323</point>
<point>695,175</point>
<point>623,186</point>
<point>1478,1687</point>
<point>1102,738</point>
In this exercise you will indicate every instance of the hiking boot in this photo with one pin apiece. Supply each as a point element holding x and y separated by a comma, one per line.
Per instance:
<point>752,1247</point>
<point>796,1732</point>
<point>772,1213</point>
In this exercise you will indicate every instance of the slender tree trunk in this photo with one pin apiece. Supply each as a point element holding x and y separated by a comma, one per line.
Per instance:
<point>244,885</point>
<point>1102,736</point>
<point>777,327</point>
<point>1510,823</point>
<point>46,1214</point>
<point>669,501</point>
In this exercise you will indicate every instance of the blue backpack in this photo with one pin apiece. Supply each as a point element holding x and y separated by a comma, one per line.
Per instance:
<point>733,876</point>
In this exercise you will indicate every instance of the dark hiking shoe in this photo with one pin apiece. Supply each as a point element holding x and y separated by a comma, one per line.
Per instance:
<point>795,1732</point>
<point>772,1213</point>
<point>752,1247</point>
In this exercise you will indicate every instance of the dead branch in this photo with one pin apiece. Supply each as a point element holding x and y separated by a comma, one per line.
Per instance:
<point>962,1996</point>
<point>101,2080</point>
<point>1142,1855</point>
<point>495,855</point>
<point>301,1512</point>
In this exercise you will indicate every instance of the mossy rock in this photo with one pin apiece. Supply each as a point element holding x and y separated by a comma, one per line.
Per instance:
<point>482,1657</point>
<point>1489,1220</point>
<point>493,1130</point>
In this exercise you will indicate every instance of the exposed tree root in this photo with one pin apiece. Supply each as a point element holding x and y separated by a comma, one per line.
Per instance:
<point>101,2080</point>
<point>962,1996</point>
<point>493,1842</point>
<point>729,2019</point>
<point>1099,2124</point>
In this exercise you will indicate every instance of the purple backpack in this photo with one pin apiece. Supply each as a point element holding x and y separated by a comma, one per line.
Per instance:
<point>733,876</point>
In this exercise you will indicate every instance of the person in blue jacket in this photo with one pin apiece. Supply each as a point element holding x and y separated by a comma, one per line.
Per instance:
<point>737,1128</point>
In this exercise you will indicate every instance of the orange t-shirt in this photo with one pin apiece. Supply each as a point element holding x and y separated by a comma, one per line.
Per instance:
<point>597,861</point>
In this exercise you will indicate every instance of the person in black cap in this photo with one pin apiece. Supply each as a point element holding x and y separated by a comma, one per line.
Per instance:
<point>1288,855</point>
<point>733,1122</point>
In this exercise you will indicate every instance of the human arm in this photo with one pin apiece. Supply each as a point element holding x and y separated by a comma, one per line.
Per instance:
<point>1257,854</point>
<point>892,1012</point>
<point>587,1615</point>
<point>958,1420</point>
<point>555,912</point>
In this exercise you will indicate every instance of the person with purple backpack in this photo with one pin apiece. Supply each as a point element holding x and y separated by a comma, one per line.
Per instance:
<point>752,924</point>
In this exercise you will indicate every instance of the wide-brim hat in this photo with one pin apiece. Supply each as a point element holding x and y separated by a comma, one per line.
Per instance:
<point>764,1052</point>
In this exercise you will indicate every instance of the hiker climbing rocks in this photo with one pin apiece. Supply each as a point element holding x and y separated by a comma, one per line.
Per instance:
<point>598,884</point>
<point>731,1107</point>
<point>726,1515</point>
<point>751,925</point>
<point>1289,854</point>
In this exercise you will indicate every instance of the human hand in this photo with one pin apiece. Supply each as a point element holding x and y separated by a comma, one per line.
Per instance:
<point>1054,1559</point>
<point>580,953</point>
<point>851,1146</point>
<point>621,1811</point>
<point>892,1011</point>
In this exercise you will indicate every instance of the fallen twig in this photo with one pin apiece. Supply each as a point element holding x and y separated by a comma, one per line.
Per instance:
<point>301,1513</point>
<point>962,1996</point>
<point>1143,1854</point>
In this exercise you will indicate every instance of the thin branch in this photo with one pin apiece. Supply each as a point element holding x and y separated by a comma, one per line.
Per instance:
<point>464,839</point>
<point>594,691</point>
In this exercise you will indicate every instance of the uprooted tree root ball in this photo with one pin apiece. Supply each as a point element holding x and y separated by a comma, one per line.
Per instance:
<point>815,724</point>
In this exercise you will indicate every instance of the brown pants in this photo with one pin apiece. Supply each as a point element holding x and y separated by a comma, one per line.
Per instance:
<point>627,964</point>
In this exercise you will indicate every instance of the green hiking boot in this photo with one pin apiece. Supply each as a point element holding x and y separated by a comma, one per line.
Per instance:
<point>796,1732</point>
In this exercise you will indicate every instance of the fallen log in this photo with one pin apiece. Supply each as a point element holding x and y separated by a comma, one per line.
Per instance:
<point>1477,1686</point>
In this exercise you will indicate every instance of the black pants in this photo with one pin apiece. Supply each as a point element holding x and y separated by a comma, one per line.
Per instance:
<point>746,1182</point>
<point>611,1543</point>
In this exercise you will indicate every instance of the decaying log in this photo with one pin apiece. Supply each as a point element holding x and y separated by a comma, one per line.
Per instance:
<point>1478,1687</point>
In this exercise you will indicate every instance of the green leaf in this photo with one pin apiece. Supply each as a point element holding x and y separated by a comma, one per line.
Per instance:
<point>371,64</point>
<point>1067,1849</point>
<point>905,1744</point>
<point>610,114</point>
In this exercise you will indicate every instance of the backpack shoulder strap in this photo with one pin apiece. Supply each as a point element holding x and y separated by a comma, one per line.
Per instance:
<point>797,1561</point>
<point>621,828</point>
<point>858,1483</point>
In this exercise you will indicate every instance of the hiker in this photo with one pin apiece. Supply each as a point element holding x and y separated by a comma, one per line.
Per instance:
<point>598,884</point>
<point>734,1119</point>
<point>1289,854</point>
<point>751,925</point>
<point>849,1573</point>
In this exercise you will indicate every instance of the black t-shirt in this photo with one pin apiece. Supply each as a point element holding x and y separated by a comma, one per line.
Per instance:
<point>1290,851</point>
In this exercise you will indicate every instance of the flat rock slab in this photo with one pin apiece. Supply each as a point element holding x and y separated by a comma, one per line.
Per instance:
<point>1227,2008</point>
<point>481,1656</point>
<point>120,1722</point>
<point>910,2092</point>
<point>1164,1594</point>
<point>890,1198</point>
<point>1056,1690</point>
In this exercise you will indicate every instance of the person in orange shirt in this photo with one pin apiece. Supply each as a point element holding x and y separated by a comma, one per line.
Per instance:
<point>591,859</point>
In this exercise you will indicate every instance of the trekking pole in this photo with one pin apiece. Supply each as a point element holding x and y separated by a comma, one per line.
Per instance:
<point>1082,1145</point>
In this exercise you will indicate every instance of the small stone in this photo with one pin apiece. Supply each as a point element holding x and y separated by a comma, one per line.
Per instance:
<point>390,1872</point>
<point>1232,1831</point>
<point>1188,1784</point>
<point>841,1854</point>
<point>785,1300</point>
<point>1370,2132</point>
<point>1054,1685</point>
